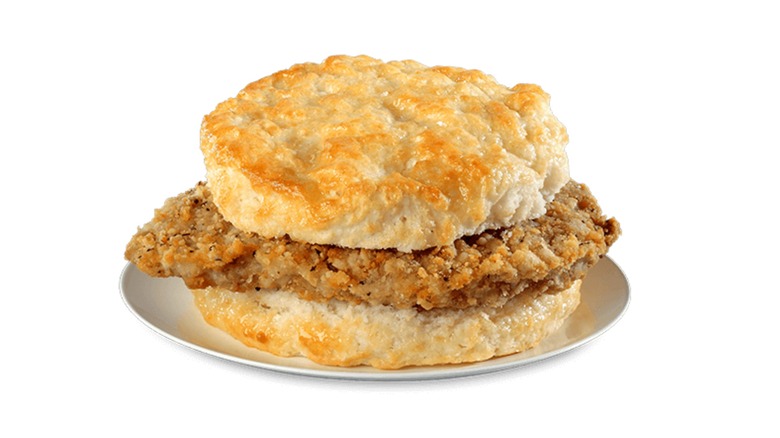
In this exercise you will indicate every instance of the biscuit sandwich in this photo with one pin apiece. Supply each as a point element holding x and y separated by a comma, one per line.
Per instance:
<point>360,212</point>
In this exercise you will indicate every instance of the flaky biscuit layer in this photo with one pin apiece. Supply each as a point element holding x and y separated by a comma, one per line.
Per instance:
<point>338,333</point>
<point>360,153</point>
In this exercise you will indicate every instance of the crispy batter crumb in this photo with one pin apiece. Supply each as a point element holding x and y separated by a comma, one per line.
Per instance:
<point>188,238</point>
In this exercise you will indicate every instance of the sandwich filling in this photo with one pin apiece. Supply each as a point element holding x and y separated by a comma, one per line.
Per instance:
<point>189,238</point>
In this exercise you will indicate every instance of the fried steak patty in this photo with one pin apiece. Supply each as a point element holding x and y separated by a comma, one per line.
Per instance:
<point>188,238</point>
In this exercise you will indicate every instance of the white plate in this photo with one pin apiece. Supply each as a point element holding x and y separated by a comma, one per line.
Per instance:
<point>166,306</point>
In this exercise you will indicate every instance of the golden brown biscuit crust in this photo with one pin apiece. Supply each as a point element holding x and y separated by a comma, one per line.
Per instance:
<point>342,334</point>
<point>361,153</point>
<point>190,239</point>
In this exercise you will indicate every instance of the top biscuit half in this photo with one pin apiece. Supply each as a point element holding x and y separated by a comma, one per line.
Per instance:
<point>360,153</point>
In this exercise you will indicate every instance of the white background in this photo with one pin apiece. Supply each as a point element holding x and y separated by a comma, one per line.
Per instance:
<point>672,112</point>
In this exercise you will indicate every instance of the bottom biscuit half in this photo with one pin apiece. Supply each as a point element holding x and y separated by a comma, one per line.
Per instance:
<point>344,334</point>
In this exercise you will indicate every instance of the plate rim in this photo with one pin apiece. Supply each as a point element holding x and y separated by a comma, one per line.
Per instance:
<point>406,374</point>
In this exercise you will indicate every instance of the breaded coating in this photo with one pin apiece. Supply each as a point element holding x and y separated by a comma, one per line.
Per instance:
<point>189,238</point>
